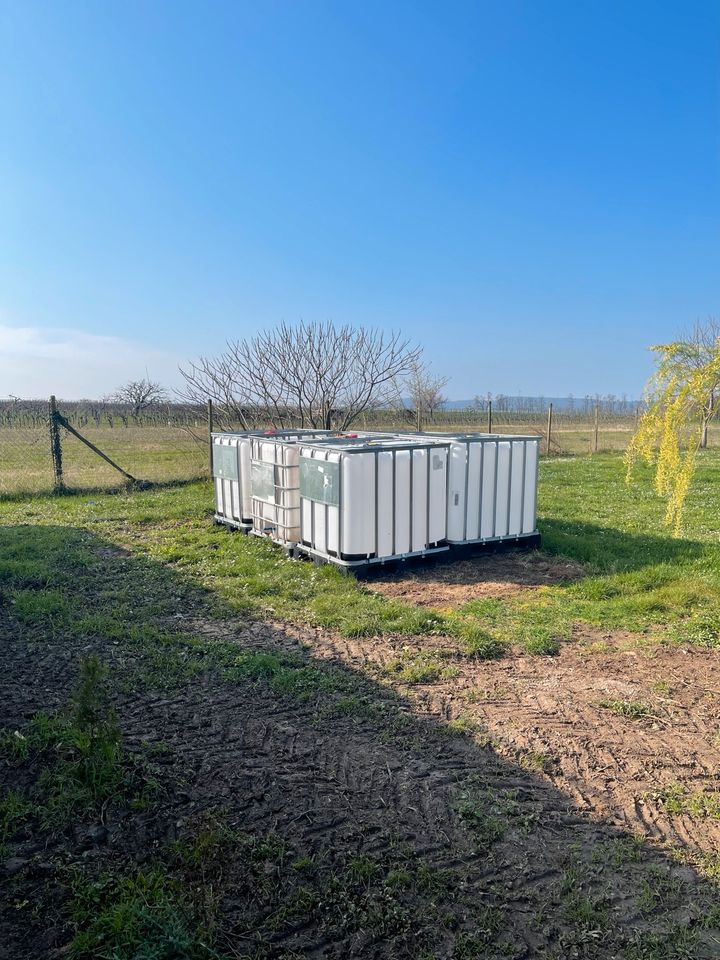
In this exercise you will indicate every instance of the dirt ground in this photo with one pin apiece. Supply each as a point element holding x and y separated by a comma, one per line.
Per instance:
<point>581,778</point>
<point>545,713</point>
<point>492,575</point>
<point>549,709</point>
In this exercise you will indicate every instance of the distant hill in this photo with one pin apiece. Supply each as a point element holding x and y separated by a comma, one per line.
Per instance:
<point>541,403</point>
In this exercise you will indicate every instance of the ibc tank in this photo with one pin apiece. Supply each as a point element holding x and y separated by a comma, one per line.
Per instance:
<point>492,487</point>
<point>231,477</point>
<point>371,500</point>
<point>232,471</point>
<point>274,483</point>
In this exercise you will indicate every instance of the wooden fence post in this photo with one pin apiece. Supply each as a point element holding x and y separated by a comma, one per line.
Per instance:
<point>489,416</point>
<point>597,427</point>
<point>549,429</point>
<point>210,433</point>
<point>55,446</point>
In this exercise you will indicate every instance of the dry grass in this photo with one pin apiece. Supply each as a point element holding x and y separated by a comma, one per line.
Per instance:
<point>147,452</point>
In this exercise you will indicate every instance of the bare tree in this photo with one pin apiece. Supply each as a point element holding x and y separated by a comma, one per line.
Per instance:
<point>425,390</point>
<point>316,375</point>
<point>699,346</point>
<point>139,395</point>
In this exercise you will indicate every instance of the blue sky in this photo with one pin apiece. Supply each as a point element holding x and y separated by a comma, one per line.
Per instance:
<point>531,190</point>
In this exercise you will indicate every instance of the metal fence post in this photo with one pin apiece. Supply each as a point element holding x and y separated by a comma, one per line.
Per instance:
<point>549,429</point>
<point>55,446</point>
<point>489,416</point>
<point>210,433</point>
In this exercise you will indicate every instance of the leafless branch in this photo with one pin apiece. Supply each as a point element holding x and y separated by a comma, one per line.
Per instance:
<point>139,395</point>
<point>315,375</point>
<point>425,391</point>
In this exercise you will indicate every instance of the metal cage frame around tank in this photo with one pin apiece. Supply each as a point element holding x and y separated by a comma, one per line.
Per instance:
<point>348,447</point>
<point>244,523</point>
<point>286,439</point>
<point>497,439</point>
<point>288,434</point>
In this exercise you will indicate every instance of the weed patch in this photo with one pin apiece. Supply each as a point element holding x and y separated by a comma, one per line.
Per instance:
<point>701,630</point>
<point>14,811</point>
<point>133,917</point>
<point>584,910</point>
<point>79,752</point>
<point>677,799</point>
<point>632,709</point>
<point>287,675</point>
<point>415,668</point>
<point>489,815</point>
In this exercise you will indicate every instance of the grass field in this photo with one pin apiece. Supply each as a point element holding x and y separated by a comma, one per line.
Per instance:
<point>210,750</point>
<point>161,454</point>
<point>154,453</point>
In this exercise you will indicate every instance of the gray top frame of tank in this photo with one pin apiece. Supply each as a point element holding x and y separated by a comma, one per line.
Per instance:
<point>350,445</point>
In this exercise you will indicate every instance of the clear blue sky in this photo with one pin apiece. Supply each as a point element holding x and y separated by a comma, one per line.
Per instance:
<point>532,189</point>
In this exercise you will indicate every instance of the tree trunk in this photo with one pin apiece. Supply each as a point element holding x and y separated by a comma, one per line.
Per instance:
<point>707,415</point>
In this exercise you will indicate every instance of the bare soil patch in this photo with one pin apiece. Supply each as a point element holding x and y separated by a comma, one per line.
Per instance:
<point>563,717</point>
<point>383,782</point>
<point>492,575</point>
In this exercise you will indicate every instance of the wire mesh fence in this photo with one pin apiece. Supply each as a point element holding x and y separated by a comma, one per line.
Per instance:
<point>569,433</point>
<point>170,443</point>
<point>151,448</point>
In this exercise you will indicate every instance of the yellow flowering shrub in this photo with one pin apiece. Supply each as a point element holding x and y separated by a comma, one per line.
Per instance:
<point>669,432</point>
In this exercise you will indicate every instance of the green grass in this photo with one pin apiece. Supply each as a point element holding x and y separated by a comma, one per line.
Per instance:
<point>145,576</point>
<point>149,452</point>
<point>584,910</point>
<point>633,709</point>
<point>171,907</point>
<point>288,675</point>
<point>80,759</point>
<point>638,577</point>
<point>678,944</point>
<point>677,799</point>
<point>139,916</point>
<point>412,668</point>
<point>15,810</point>
<point>489,815</point>
<point>659,889</point>
<point>620,851</point>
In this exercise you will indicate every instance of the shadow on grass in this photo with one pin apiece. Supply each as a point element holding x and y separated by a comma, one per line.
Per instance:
<point>610,550</point>
<point>392,835</point>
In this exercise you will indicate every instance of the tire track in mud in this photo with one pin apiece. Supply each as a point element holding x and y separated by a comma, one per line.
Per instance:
<point>338,790</point>
<point>340,786</point>
<point>613,766</point>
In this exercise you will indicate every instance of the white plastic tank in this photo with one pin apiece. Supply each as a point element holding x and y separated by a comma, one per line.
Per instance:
<point>231,477</point>
<point>274,484</point>
<point>492,487</point>
<point>232,471</point>
<point>373,499</point>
